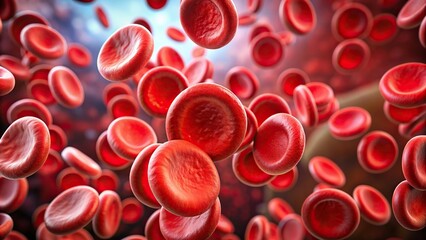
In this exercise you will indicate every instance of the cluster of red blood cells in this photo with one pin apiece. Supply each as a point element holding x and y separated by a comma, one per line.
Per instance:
<point>174,177</point>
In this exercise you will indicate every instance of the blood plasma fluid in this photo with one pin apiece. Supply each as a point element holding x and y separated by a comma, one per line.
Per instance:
<point>212,119</point>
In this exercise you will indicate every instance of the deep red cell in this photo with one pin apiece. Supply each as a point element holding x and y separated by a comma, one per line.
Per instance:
<point>44,233</point>
<point>278,208</point>
<point>102,16</point>
<point>6,225</point>
<point>352,20</point>
<point>40,71</point>
<point>291,227</point>
<point>137,237</point>
<point>266,105</point>
<point>197,52</point>
<point>251,129</point>
<point>298,15</point>
<point>20,71</point>
<point>167,56</point>
<point>331,214</point>
<point>152,227</point>
<point>199,70</point>
<point>405,85</point>
<point>23,19</point>
<point>107,156</point>
<point>409,206</point>
<point>71,210</point>
<point>107,219</point>
<point>156,4</point>
<point>175,227</point>
<point>402,115</point>
<point>279,144</point>
<point>258,228</point>
<point>66,87</point>
<point>81,162</point>
<point>176,34</point>
<point>377,152</point>
<point>325,170</point>
<point>373,206</point>
<point>138,178</point>
<point>209,116</point>
<point>113,89</point>
<point>384,28</point>
<point>259,28</point>
<point>422,33</point>
<point>242,82</point>
<point>79,55</point>
<point>12,193</point>
<point>411,14</point>
<point>349,123</point>
<point>290,78</point>
<point>322,93</point>
<point>7,9</point>
<point>305,106</point>
<point>284,181</point>
<point>123,105</point>
<point>414,128</point>
<point>7,81</point>
<point>247,171</point>
<point>266,49</point>
<point>125,52</point>
<point>29,107</point>
<point>183,178</point>
<point>225,225</point>
<point>52,165</point>
<point>158,88</point>
<point>209,24</point>
<point>127,136</point>
<point>69,178</point>
<point>325,114</point>
<point>58,138</point>
<point>143,22</point>
<point>350,55</point>
<point>414,162</point>
<point>132,210</point>
<point>15,235</point>
<point>43,41</point>
<point>108,180</point>
<point>38,215</point>
<point>40,91</point>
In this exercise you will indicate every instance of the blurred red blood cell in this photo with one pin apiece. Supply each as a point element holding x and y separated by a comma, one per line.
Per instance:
<point>58,138</point>
<point>114,89</point>
<point>66,87</point>
<point>167,56</point>
<point>413,128</point>
<point>352,20</point>
<point>143,22</point>
<point>279,144</point>
<point>138,178</point>
<point>15,235</point>
<point>258,228</point>
<point>107,219</point>
<point>71,210</point>
<point>176,34</point>
<point>225,225</point>
<point>198,51</point>
<point>125,52</point>
<point>123,105</point>
<point>409,206</point>
<point>384,28</point>
<point>44,233</point>
<point>14,65</point>
<point>405,85</point>
<point>132,210</point>
<point>81,162</point>
<point>287,38</point>
<point>284,181</point>
<point>373,206</point>
<point>7,81</point>
<point>331,214</point>
<point>350,55</point>
<point>402,115</point>
<point>266,105</point>
<point>242,82</point>
<point>377,152</point>
<point>321,186</point>
<point>259,28</point>
<point>209,116</point>
<point>279,208</point>
<point>6,225</point>
<point>325,170</point>
<point>414,162</point>
<point>291,227</point>
<point>251,129</point>
<point>52,165</point>
<point>23,19</point>
<point>102,16</point>
<point>40,71</point>
<point>422,33</point>
<point>137,237</point>
<point>29,107</point>
<point>210,24</point>
<point>411,14</point>
<point>107,156</point>
<point>39,90</point>
<point>12,193</point>
<point>175,227</point>
<point>247,171</point>
<point>349,123</point>
<point>38,215</point>
<point>305,106</point>
<point>43,41</point>
<point>246,18</point>
<point>108,180</point>
<point>69,178</point>
<point>298,15</point>
<point>24,161</point>
<point>156,4</point>
<point>199,70</point>
<point>331,108</point>
<point>7,9</point>
<point>290,78</point>
<point>152,227</point>
<point>266,49</point>
<point>79,55</point>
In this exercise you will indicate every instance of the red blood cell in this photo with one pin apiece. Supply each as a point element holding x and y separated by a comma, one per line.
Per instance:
<point>107,156</point>
<point>322,93</point>
<point>81,162</point>
<point>137,237</point>
<point>175,227</point>
<point>210,24</point>
<point>107,219</point>
<point>23,19</point>
<point>405,85</point>
<point>246,19</point>
<point>7,81</point>
<point>321,186</point>
<point>199,70</point>
<point>43,41</point>
<point>14,65</point>
<point>58,138</point>
<point>132,210</point>
<point>254,5</point>
<point>40,71</point>
<point>197,52</point>
<point>422,33</point>
<point>138,177</point>
<point>176,34</point>
<point>29,107</point>
<point>69,178</point>
<point>6,225</point>
<point>12,193</point>
<point>183,178</point>
<point>259,28</point>
<point>284,181</point>
<point>113,89</point>
<point>251,129</point>
<point>373,206</point>
<point>125,52</point>
<point>324,170</point>
<point>349,123</point>
<point>225,225</point>
<point>66,87</point>
<point>143,22</point>
<point>52,165</point>
<point>289,79</point>
<point>38,215</point>
<point>286,38</point>
<point>246,170</point>
<point>352,20</point>
<point>332,107</point>
<point>79,55</point>
<point>279,144</point>
<point>108,180</point>
<point>209,116</point>
<point>40,91</point>
<point>266,105</point>
<point>350,55</point>
<point>137,77</point>
<point>298,15</point>
<point>414,128</point>
<point>377,152</point>
<point>127,136</point>
<point>14,235</point>
<point>44,233</point>
<point>384,28</point>
<point>266,49</point>
<point>279,208</point>
<point>167,56</point>
<point>291,227</point>
<point>402,115</point>
<point>305,106</point>
<point>156,4</point>
<point>17,161</point>
<point>414,162</point>
<point>71,210</point>
<point>102,16</point>
<point>411,14</point>
<point>258,229</point>
<point>409,206</point>
<point>123,105</point>
<point>242,82</point>
<point>8,9</point>
<point>331,214</point>
<point>152,227</point>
